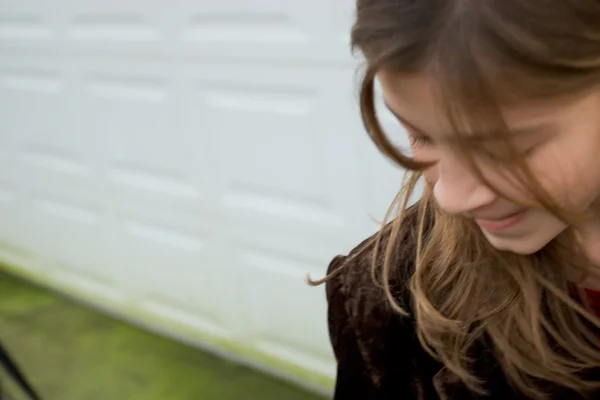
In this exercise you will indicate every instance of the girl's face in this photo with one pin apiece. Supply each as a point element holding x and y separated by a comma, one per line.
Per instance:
<point>561,145</point>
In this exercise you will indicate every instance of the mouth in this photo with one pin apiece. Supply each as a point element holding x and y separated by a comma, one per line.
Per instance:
<point>501,224</point>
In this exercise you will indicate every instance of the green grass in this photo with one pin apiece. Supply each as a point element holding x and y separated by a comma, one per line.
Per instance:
<point>72,353</point>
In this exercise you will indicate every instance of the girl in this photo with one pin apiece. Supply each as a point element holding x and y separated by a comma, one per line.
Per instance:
<point>486,286</point>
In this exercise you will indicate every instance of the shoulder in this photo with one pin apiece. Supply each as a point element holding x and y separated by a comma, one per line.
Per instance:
<point>352,274</point>
<point>357,300</point>
<point>363,327</point>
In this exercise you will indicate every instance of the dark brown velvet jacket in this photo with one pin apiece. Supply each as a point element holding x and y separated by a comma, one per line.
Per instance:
<point>378,354</point>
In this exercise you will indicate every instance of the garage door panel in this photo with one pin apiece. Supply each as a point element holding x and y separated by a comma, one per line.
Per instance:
<point>77,221</point>
<point>46,145</point>
<point>33,101</point>
<point>260,126</point>
<point>156,256</point>
<point>23,22</point>
<point>290,324</point>
<point>137,109</point>
<point>263,29</point>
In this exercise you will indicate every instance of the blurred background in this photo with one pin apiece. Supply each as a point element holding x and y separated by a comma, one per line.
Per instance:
<point>169,174</point>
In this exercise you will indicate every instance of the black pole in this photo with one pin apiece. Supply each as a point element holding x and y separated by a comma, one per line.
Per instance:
<point>15,372</point>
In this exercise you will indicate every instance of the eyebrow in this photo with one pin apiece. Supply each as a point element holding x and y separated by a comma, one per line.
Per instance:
<point>524,131</point>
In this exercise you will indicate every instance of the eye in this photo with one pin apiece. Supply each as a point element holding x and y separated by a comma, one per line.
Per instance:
<point>497,158</point>
<point>528,152</point>
<point>419,140</point>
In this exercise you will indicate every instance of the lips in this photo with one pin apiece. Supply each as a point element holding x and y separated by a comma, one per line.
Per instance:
<point>496,225</point>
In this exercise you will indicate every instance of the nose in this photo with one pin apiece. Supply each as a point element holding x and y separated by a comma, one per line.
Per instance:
<point>457,189</point>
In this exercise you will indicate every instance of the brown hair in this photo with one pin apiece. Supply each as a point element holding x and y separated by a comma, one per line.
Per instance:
<point>484,54</point>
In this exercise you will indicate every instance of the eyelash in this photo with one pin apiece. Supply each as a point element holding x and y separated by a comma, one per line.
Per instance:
<point>495,159</point>
<point>418,140</point>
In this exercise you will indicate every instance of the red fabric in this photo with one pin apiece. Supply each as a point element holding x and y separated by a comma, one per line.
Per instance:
<point>593,298</point>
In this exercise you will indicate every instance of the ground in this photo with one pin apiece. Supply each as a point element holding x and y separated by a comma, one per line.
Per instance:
<point>70,352</point>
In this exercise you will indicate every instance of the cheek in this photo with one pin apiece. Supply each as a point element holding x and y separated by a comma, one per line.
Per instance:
<point>427,155</point>
<point>568,166</point>
<point>573,185</point>
<point>569,174</point>
<point>508,185</point>
<point>431,175</point>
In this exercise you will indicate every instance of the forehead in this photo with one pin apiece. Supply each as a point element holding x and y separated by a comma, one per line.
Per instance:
<point>415,98</point>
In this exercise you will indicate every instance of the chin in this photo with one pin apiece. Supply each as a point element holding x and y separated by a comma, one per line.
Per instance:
<point>519,245</point>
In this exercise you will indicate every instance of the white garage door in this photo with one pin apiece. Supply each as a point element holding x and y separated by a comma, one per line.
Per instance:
<point>186,164</point>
